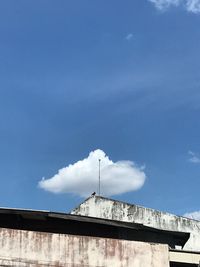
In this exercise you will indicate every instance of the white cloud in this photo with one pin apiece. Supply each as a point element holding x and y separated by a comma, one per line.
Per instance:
<point>190,5</point>
<point>193,215</point>
<point>129,37</point>
<point>81,178</point>
<point>193,6</point>
<point>164,4</point>
<point>194,158</point>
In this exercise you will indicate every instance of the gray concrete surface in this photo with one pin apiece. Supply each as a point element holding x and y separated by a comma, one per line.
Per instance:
<point>27,248</point>
<point>100,207</point>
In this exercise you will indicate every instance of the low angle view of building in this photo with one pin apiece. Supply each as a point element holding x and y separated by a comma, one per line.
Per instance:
<point>99,133</point>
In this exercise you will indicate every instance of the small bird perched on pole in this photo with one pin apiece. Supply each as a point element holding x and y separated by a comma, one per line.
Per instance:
<point>94,193</point>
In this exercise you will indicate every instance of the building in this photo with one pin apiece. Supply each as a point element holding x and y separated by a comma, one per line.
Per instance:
<point>100,207</point>
<point>42,238</point>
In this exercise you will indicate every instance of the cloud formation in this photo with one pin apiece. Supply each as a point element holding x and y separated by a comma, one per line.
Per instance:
<point>129,37</point>
<point>193,6</point>
<point>164,4</point>
<point>193,215</point>
<point>190,5</point>
<point>81,178</point>
<point>194,158</point>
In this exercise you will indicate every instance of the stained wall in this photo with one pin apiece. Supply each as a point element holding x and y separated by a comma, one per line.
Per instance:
<point>115,210</point>
<point>28,248</point>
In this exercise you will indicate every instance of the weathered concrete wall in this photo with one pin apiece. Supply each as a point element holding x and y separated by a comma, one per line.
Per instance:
<point>114,210</point>
<point>26,248</point>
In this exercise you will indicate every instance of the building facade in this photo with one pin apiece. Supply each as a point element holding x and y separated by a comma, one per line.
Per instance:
<point>97,234</point>
<point>101,207</point>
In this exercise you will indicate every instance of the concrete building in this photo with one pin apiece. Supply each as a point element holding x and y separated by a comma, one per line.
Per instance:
<point>42,238</point>
<point>29,248</point>
<point>101,207</point>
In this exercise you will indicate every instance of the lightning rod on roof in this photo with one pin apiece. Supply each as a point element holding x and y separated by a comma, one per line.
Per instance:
<point>99,177</point>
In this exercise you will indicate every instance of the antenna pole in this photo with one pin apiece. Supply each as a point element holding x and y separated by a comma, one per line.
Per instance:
<point>99,177</point>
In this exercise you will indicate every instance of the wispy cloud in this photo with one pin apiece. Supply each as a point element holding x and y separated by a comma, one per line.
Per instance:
<point>129,36</point>
<point>164,4</point>
<point>193,6</point>
<point>190,5</point>
<point>81,178</point>
<point>194,158</point>
<point>193,215</point>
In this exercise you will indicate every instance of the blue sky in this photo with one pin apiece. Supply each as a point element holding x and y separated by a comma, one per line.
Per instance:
<point>81,75</point>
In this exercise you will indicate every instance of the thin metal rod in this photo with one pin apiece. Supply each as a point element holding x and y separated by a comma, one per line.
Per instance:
<point>99,177</point>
